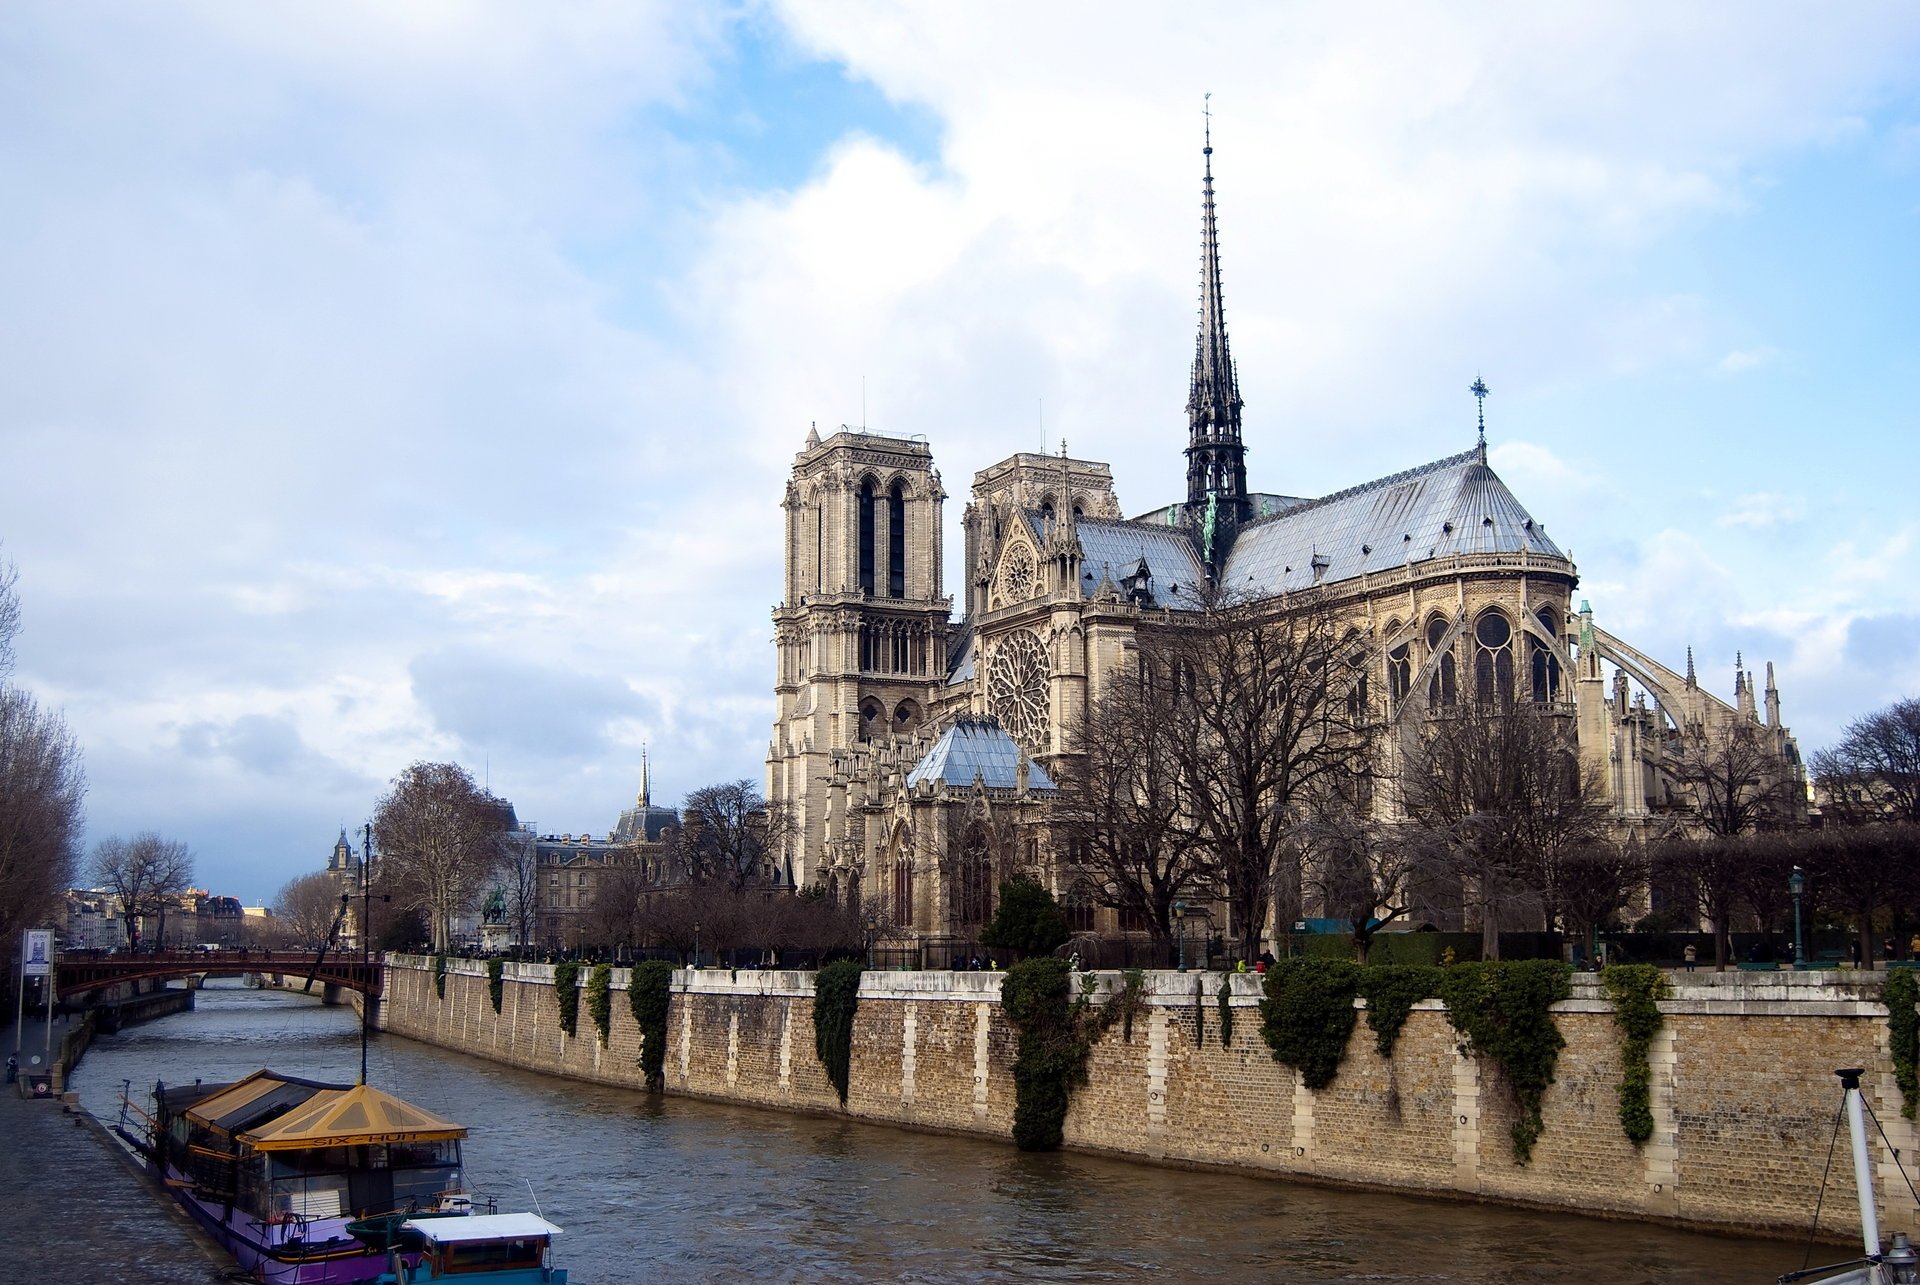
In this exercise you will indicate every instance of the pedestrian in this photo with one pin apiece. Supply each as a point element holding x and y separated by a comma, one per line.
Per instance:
<point>1689,955</point>
<point>13,1068</point>
<point>1913,947</point>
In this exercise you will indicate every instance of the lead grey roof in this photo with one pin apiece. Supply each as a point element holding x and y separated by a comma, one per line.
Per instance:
<point>977,747</point>
<point>1115,548</point>
<point>1453,505</point>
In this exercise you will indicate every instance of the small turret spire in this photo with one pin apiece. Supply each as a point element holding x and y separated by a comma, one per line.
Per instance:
<point>1480,390</point>
<point>646,792</point>
<point>1692,679</point>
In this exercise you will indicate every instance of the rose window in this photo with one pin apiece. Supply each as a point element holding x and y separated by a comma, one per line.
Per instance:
<point>1017,688</point>
<point>1017,574</point>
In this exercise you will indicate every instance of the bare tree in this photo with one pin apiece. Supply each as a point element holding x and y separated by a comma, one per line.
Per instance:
<point>732,836</point>
<point>1263,710</point>
<point>1500,787</point>
<point>1118,815</point>
<point>1732,780</point>
<point>42,784</point>
<point>1595,878</point>
<point>439,839</point>
<point>309,906</point>
<point>9,613</point>
<point>1874,770</point>
<point>518,875</point>
<point>144,873</point>
<point>612,919</point>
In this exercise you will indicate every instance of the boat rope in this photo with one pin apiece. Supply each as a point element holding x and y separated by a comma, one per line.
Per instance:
<point>1814,1231</point>
<point>1892,1151</point>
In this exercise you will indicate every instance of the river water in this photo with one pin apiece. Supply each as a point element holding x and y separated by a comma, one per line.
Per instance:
<point>672,1190</point>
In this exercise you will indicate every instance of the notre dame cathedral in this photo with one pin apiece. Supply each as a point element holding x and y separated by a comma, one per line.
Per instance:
<point>911,747</point>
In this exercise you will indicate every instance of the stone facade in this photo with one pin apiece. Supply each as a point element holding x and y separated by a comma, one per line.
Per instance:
<point>1452,591</point>
<point>1743,1088</point>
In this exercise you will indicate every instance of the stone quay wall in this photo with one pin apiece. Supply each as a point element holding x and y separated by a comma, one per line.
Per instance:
<point>1744,1098</point>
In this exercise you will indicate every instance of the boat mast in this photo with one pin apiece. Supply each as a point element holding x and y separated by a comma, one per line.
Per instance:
<point>1862,1173</point>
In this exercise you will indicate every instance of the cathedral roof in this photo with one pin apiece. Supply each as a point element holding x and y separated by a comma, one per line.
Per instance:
<point>1453,505</point>
<point>1115,549</point>
<point>977,747</point>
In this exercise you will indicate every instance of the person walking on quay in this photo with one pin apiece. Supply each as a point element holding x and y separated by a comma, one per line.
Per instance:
<point>13,1068</point>
<point>1689,955</point>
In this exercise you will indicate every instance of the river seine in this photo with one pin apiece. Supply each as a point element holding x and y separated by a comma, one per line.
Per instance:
<point>674,1190</point>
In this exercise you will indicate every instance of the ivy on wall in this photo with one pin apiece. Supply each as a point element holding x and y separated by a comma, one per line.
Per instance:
<point>1635,990</point>
<point>496,984</point>
<point>440,976</point>
<point>1128,1002</point>
<point>566,993</point>
<point>836,993</point>
<point>1055,1042</point>
<point>1501,1010</point>
<point>649,993</point>
<point>1391,991</point>
<point>1226,1012</point>
<point>1899,994</point>
<point>1308,1015</point>
<point>600,1000</point>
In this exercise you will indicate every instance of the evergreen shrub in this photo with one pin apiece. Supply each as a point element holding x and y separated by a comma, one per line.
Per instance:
<point>600,1000</point>
<point>496,981</point>
<point>1500,1008</point>
<point>1635,990</point>
<point>1307,1015</point>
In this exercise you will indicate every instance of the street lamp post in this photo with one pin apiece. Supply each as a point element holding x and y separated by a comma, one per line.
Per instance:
<point>696,945</point>
<point>1797,884</point>
<point>1180,928</point>
<point>872,926</point>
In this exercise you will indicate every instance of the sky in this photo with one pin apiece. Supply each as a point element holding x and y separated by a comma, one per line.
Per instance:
<point>396,382</point>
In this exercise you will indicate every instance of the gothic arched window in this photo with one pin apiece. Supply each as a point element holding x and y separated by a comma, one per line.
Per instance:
<point>903,891</point>
<point>897,541</point>
<point>1078,908</point>
<point>1443,687</point>
<point>865,535</point>
<point>1493,660</point>
<point>971,892</point>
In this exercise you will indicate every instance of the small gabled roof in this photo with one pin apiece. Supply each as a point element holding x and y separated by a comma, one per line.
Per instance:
<point>977,747</point>
<point>351,1117</point>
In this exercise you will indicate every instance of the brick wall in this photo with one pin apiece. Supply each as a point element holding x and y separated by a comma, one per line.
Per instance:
<point>1744,1098</point>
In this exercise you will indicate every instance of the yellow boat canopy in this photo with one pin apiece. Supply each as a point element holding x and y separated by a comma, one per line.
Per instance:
<point>352,1117</point>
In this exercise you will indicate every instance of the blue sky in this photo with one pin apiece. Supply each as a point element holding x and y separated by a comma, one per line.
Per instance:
<point>420,382</point>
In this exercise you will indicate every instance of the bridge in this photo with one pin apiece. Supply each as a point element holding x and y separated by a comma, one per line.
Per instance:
<point>78,974</point>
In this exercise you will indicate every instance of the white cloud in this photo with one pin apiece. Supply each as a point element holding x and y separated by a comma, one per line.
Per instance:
<point>1740,361</point>
<point>1764,509</point>
<point>353,337</point>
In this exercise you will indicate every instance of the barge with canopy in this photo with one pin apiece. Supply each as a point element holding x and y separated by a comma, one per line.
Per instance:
<point>281,1169</point>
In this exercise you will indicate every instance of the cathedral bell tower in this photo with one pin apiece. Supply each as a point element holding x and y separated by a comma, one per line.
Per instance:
<point>1217,500</point>
<point>862,634</point>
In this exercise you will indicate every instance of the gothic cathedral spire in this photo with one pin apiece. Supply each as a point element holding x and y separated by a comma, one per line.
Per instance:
<point>1216,457</point>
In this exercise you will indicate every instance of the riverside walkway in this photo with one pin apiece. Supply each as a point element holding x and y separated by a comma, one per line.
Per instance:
<point>80,1209</point>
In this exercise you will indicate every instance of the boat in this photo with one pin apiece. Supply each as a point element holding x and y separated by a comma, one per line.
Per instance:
<point>286,1173</point>
<point>1898,1263</point>
<point>497,1249</point>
